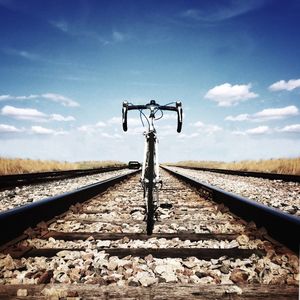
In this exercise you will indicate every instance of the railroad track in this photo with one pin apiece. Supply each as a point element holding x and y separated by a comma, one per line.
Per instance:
<point>271,176</point>
<point>199,250</point>
<point>8,181</point>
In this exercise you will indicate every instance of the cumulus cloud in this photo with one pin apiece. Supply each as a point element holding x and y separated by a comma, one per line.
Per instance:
<point>261,130</point>
<point>32,114</point>
<point>294,128</point>
<point>267,114</point>
<point>285,85</point>
<point>46,131</point>
<point>4,128</point>
<point>258,130</point>
<point>63,100</point>
<point>60,118</point>
<point>5,97</point>
<point>229,95</point>
<point>41,130</point>
<point>277,113</point>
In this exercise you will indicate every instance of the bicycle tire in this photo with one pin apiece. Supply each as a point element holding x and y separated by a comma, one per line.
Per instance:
<point>149,187</point>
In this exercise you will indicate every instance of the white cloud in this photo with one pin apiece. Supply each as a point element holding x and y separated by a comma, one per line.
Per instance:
<point>63,100</point>
<point>87,128</point>
<point>57,117</point>
<point>30,114</point>
<point>267,114</point>
<point>132,122</point>
<point>42,130</point>
<point>46,131</point>
<point>238,132</point>
<point>258,130</point>
<point>100,124</point>
<point>208,128</point>
<point>228,95</point>
<point>111,136</point>
<point>169,116</point>
<point>277,113</point>
<point>221,11</point>
<point>188,136</point>
<point>25,97</point>
<point>285,85</point>
<point>4,128</point>
<point>241,117</point>
<point>5,97</point>
<point>115,120</point>
<point>92,128</point>
<point>295,128</point>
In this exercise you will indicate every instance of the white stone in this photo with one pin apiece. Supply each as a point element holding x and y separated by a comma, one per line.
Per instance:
<point>169,277</point>
<point>22,293</point>
<point>145,278</point>
<point>104,244</point>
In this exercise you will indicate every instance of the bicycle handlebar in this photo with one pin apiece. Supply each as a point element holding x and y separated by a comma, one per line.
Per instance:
<point>152,105</point>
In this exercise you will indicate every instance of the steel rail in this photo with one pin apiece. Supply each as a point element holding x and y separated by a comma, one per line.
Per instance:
<point>271,176</point>
<point>14,180</point>
<point>13,222</point>
<point>281,226</point>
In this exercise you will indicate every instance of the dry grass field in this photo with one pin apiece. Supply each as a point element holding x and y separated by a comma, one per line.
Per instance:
<point>19,166</point>
<point>280,165</point>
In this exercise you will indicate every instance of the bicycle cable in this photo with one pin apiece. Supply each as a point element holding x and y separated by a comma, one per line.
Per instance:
<point>142,113</point>
<point>169,103</point>
<point>162,114</point>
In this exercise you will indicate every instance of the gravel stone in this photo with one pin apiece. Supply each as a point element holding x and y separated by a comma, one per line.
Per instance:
<point>22,293</point>
<point>95,266</point>
<point>239,276</point>
<point>275,193</point>
<point>19,196</point>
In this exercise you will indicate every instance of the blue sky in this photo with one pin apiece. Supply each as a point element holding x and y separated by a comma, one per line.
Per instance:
<point>66,66</point>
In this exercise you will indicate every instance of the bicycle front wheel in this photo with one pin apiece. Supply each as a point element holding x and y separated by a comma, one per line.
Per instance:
<point>150,185</point>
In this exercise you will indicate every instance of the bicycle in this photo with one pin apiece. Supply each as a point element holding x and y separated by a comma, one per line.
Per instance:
<point>150,169</point>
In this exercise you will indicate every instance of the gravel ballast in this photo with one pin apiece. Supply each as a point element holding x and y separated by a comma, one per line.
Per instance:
<point>275,193</point>
<point>19,196</point>
<point>119,210</point>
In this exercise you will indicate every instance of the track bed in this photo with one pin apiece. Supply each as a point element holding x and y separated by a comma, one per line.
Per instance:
<point>198,250</point>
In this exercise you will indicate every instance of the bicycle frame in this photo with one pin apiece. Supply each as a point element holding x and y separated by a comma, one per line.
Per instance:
<point>156,178</point>
<point>150,170</point>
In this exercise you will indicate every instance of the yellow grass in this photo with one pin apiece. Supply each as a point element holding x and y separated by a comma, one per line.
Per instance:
<point>280,165</point>
<point>19,166</point>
